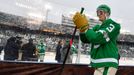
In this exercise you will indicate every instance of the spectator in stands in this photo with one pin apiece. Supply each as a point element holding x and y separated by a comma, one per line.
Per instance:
<point>104,51</point>
<point>29,51</point>
<point>58,51</point>
<point>11,49</point>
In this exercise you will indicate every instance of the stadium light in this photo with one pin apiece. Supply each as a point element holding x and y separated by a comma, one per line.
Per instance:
<point>24,6</point>
<point>48,7</point>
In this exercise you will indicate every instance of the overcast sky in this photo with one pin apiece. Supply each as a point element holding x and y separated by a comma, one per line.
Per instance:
<point>122,10</point>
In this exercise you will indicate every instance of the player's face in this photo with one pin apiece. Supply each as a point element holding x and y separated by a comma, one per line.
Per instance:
<point>101,14</point>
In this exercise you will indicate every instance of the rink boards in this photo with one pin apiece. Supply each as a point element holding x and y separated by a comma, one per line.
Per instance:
<point>36,68</point>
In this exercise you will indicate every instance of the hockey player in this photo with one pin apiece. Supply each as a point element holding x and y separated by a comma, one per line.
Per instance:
<point>41,47</point>
<point>104,51</point>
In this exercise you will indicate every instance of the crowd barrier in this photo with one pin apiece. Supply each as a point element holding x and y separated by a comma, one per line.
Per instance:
<point>40,68</point>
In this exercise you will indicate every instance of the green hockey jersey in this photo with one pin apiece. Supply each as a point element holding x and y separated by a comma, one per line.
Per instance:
<point>41,47</point>
<point>104,51</point>
<point>73,49</point>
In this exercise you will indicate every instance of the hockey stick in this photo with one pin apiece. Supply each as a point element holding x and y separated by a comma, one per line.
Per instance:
<point>69,46</point>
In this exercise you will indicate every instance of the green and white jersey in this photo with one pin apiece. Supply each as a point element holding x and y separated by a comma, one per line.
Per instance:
<point>73,49</point>
<point>41,47</point>
<point>104,51</point>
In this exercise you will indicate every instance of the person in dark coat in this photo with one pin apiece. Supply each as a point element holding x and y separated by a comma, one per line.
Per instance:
<point>11,49</point>
<point>64,51</point>
<point>58,51</point>
<point>29,51</point>
<point>1,48</point>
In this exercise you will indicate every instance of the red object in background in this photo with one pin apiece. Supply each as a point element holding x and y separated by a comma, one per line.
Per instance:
<point>71,41</point>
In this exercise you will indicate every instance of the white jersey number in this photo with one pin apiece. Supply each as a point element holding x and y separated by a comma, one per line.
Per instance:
<point>110,29</point>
